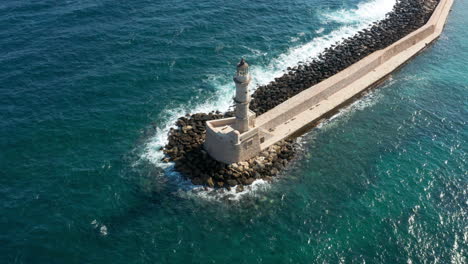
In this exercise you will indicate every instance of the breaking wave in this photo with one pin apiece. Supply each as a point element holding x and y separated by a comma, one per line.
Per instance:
<point>256,189</point>
<point>367,11</point>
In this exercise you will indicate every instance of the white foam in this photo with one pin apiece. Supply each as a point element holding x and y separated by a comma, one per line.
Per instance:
<point>320,30</point>
<point>367,12</point>
<point>103,230</point>
<point>353,21</point>
<point>457,253</point>
<point>368,99</point>
<point>254,190</point>
<point>294,39</point>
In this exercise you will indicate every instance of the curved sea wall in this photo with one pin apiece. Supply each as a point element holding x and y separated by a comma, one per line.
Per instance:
<point>332,76</point>
<point>406,17</point>
<point>313,103</point>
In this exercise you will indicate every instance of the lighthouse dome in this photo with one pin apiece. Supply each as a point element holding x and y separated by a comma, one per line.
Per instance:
<point>242,64</point>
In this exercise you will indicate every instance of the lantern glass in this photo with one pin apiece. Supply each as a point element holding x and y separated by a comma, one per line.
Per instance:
<point>243,72</point>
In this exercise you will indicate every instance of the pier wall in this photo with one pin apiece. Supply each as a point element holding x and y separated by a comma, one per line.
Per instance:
<point>316,101</point>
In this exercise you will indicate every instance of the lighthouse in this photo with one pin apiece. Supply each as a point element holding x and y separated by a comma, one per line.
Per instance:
<point>236,138</point>
<point>244,117</point>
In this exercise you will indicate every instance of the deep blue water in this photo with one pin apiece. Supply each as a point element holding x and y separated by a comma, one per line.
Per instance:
<point>89,89</point>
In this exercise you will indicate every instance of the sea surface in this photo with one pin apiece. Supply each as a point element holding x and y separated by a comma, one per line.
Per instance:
<point>89,89</point>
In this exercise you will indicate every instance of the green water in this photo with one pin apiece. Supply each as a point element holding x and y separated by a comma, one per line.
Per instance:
<point>88,90</point>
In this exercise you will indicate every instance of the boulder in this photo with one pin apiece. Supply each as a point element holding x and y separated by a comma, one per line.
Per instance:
<point>249,181</point>
<point>197,181</point>
<point>210,182</point>
<point>232,182</point>
<point>244,164</point>
<point>274,171</point>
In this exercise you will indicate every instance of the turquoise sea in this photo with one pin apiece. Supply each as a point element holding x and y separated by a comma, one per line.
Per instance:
<point>89,89</point>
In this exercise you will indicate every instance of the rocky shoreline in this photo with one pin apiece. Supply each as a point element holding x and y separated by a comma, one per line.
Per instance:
<point>185,142</point>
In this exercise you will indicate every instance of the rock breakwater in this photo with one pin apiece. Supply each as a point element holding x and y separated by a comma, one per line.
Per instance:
<point>185,142</point>
<point>185,148</point>
<point>406,16</point>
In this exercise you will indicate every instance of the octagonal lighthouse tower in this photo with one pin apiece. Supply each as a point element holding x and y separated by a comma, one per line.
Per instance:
<point>244,117</point>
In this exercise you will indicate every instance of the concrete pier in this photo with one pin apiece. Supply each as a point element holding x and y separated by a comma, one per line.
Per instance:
<point>227,144</point>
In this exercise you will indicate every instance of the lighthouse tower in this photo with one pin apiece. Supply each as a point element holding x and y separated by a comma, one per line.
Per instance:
<point>244,117</point>
<point>235,139</point>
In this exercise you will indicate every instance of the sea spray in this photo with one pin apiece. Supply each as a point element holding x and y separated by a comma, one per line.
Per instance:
<point>365,12</point>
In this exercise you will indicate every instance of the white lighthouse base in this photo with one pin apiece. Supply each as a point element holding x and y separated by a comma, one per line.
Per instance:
<point>227,145</point>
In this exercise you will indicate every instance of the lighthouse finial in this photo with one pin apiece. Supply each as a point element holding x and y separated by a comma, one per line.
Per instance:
<point>242,62</point>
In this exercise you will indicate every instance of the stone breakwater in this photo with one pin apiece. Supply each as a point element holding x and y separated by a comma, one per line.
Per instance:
<point>185,148</point>
<point>185,143</point>
<point>407,16</point>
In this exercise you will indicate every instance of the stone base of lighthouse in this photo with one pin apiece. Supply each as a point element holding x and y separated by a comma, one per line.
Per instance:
<point>226,144</point>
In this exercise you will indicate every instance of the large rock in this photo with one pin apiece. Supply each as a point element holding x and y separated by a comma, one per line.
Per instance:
<point>210,182</point>
<point>197,181</point>
<point>232,183</point>
<point>249,181</point>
